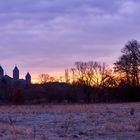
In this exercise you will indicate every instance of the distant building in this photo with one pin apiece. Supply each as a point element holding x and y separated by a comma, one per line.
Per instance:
<point>1,72</point>
<point>15,80</point>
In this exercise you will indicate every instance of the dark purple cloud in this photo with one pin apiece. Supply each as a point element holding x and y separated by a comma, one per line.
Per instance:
<point>50,35</point>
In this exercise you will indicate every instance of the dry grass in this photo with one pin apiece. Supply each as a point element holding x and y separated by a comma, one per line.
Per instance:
<point>70,122</point>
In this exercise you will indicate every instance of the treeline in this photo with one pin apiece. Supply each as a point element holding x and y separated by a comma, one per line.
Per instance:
<point>96,82</point>
<point>86,82</point>
<point>124,72</point>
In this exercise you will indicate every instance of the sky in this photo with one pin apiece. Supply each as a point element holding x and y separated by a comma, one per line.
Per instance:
<point>48,36</point>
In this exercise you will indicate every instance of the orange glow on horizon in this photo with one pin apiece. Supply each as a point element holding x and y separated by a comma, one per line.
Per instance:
<point>59,76</point>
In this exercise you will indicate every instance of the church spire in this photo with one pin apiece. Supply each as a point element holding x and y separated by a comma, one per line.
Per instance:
<point>16,73</point>
<point>28,78</point>
<point>1,71</point>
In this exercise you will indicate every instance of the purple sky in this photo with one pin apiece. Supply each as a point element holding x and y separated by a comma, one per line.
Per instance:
<point>47,36</point>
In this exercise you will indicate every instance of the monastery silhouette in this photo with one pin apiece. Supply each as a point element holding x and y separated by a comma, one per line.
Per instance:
<point>15,78</point>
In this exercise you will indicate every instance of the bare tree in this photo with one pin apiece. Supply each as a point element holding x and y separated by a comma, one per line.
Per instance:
<point>92,73</point>
<point>45,78</point>
<point>67,76</point>
<point>73,78</point>
<point>129,63</point>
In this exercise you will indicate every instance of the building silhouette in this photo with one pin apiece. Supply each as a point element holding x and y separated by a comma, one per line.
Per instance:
<point>1,72</point>
<point>16,73</point>
<point>28,79</point>
<point>16,77</point>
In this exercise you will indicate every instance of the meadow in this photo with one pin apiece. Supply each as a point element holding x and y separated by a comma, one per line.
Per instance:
<point>70,122</point>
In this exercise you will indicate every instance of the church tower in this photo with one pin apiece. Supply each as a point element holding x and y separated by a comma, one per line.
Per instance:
<point>1,71</point>
<point>28,78</point>
<point>16,73</point>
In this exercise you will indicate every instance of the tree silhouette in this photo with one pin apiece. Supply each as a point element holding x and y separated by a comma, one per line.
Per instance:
<point>129,63</point>
<point>46,78</point>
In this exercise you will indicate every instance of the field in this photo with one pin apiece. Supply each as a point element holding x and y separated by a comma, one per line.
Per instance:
<point>70,122</point>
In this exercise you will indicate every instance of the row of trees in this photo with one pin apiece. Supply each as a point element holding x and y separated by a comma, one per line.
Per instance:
<point>125,71</point>
<point>91,74</point>
<point>86,82</point>
<point>96,82</point>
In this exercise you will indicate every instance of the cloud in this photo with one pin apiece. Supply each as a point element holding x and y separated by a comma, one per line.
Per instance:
<point>129,7</point>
